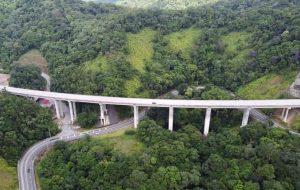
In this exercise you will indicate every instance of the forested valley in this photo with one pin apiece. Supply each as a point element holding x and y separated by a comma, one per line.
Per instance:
<point>202,52</point>
<point>251,158</point>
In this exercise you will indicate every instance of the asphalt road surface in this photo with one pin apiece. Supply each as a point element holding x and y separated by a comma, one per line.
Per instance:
<point>26,171</point>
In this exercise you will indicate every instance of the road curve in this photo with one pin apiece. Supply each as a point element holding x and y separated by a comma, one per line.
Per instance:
<point>142,102</point>
<point>26,171</point>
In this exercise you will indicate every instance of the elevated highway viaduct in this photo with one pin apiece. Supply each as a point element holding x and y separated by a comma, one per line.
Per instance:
<point>72,99</point>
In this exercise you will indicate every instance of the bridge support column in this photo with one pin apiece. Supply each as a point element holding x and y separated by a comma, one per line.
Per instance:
<point>71,111</point>
<point>57,109</point>
<point>136,116</point>
<point>282,113</point>
<point>246,117</point>
<point>207,121</point>
<point>286,114</point>
<point>104,120</point>
<point>74,110</point>
<point>61,111</point>
<point>171,118</point>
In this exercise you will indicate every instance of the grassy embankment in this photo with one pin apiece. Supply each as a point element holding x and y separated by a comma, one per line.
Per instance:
<point>8,176</point>
<point>140,51</point>
<point>34,57</point>
<point>183,41</point>
<point>236,47</point>
<point>127,144</point>
<point>270,86</point>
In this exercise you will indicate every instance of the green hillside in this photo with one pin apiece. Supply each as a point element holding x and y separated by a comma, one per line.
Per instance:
<point>8,176</point>
<point>140,48</point>
<point>159,4</point>
<point>270,86</point>
<point>183,41</point>
<point>236,49</point>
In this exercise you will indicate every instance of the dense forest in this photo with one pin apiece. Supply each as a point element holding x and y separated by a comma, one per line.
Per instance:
<point>28,77</point>
<point>22,123</point>
<point>202,52</point>
<point>249,158</point>
<point>158,4</point>
<point>265,36</point>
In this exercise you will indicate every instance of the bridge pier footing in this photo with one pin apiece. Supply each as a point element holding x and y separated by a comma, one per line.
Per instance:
<point>207,121</point>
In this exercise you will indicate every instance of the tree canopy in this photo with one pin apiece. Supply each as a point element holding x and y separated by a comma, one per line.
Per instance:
<point>252,157</point>
<point>21,128</point>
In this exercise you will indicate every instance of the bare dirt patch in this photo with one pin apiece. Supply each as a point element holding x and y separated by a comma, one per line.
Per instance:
<point>4,79</point>
<point>34,57</point>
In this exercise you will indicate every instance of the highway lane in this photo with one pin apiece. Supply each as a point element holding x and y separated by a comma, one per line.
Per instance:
<point>26,165</point>
<point>214,104</point>
<point>26,169</point>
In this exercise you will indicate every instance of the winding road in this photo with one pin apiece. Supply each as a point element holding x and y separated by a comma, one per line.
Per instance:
<point>26,171</point>
<point>26,166</point>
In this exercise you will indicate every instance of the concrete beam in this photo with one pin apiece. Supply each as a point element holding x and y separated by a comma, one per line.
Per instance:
<point>136,116</point>
<point>246,117</point>
<point>214,104</point>
<point>171,118</point>
<point>207,121</point>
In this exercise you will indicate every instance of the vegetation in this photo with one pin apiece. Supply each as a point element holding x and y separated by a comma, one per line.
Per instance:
<point>140,48</point>
<point>21,128</point>
<point>271,86</point>
<point>8,176</point>
<point>27,77</point>
<point>123,141</point>
<point>235,47</point>
<point>249,158</point>
<point>163,4</point>
<point>296,124</point>
<point>116,51</point>
<point>34,57</point>
<point>87,120</point>
<point>203,52</point>
<point>183,41</point>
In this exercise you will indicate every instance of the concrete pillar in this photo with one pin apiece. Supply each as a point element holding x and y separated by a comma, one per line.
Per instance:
<point>136,116</point>
<point>57,109</point>
<point>282,113</point>
<point>207,121</point>
<point>74,110</point>
<point>246,117</point>
<point>71,112</point>
<point>171,117</point>
<point>104,117</point>
<point>286,114</point>
<point>61,111</point>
